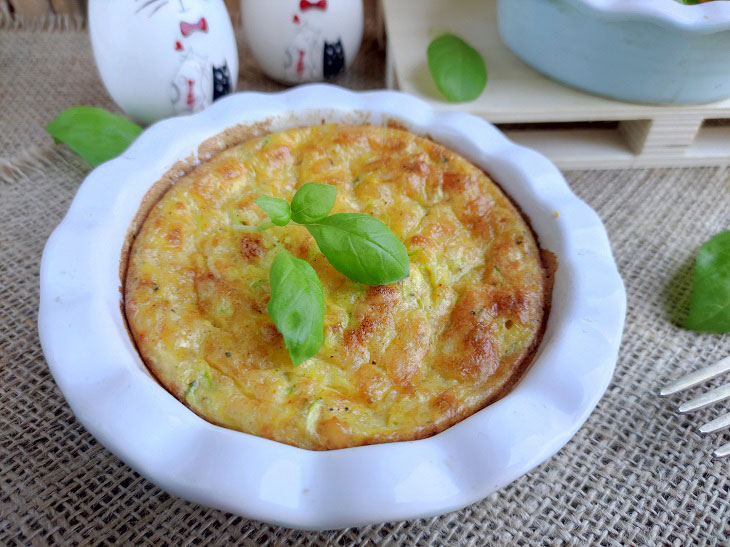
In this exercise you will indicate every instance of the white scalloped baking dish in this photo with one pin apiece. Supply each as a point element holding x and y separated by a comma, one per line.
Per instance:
<point>111,392</point>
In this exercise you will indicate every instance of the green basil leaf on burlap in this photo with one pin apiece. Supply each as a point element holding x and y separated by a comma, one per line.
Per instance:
<point>93,133</point>
<point>709,309</point>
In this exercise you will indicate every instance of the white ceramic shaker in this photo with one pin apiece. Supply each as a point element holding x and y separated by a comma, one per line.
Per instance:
<point>296,41</point>
<point>160,58</point>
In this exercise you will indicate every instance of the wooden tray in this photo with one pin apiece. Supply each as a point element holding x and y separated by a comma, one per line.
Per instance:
<point>574,129</point>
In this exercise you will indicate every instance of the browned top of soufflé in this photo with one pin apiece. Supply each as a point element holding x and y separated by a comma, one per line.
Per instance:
<point>399,362</point>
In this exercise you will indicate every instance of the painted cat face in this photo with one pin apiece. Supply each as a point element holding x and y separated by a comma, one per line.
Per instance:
<point>333,61</point>
<point>222,84</point>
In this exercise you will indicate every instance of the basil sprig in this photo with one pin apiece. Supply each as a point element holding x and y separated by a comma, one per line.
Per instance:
<point>312,202</point>
<point>362,248</point>
<point>277,209</point>
<point>359,246</point>
<point>296,305</point>
<point>709,308</point>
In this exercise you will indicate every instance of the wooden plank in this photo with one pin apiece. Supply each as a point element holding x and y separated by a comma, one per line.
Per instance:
<point>669,133</point>
<point>605,149</point>
<point>378,21</point>
<point>647,135</point>
<point>234,10</point>
<point>70,7</point>
<point>31,8</point>
<point>515,91</point>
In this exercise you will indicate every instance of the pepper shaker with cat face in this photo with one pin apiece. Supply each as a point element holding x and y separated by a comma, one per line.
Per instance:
<point>295,41</point>
<point>160,58</point>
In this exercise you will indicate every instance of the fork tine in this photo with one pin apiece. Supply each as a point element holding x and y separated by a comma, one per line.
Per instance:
<point>701,401</point>
<point>722,422</point>
<point>723,451</point>
<point>696,377</point>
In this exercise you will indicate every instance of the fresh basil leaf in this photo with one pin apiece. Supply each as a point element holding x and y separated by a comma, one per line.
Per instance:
<point>312,202</point>
<point>93,133</point>
<point>362,248</point>
<point>296,306</point>
<point>276,208</point>
<point>709,308</point>
<point>457,69</point>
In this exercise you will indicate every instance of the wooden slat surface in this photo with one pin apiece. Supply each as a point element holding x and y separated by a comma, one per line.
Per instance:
<point>38,8</point>
<point>647,135</point>
<point>234,9</point>
<point>32,8</point>
<point>67,6</point>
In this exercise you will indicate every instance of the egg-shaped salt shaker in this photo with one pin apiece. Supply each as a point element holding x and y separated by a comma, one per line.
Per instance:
<point>296,41</point>
<point>160,58</point>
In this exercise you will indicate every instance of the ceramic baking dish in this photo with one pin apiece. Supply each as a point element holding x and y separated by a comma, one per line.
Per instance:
<point>648,51</point>
<point>111,392</point>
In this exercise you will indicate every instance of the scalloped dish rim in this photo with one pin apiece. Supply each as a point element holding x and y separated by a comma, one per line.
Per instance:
<point>706,18</point>
<point>96,366</point>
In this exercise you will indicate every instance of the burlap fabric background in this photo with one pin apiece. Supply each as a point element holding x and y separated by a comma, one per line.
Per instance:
<point>636,473</point>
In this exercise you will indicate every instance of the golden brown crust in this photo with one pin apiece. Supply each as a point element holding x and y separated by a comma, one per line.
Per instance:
<point>399,362</point>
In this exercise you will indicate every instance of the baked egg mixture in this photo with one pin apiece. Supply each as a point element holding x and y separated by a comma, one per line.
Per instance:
<point>399,362</point>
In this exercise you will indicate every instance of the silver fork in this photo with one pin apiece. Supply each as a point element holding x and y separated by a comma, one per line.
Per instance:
<point>701,401</point>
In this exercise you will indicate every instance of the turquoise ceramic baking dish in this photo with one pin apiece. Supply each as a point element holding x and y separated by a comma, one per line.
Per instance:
<point>648,51</point>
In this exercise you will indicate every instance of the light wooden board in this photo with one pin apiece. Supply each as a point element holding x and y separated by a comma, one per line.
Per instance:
<point>32,8</point>
<point>646,135</point>
<point>67,6</point>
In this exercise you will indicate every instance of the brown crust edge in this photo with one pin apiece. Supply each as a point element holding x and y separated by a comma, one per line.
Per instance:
<point>549,267</point>
<point>241,133</point>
